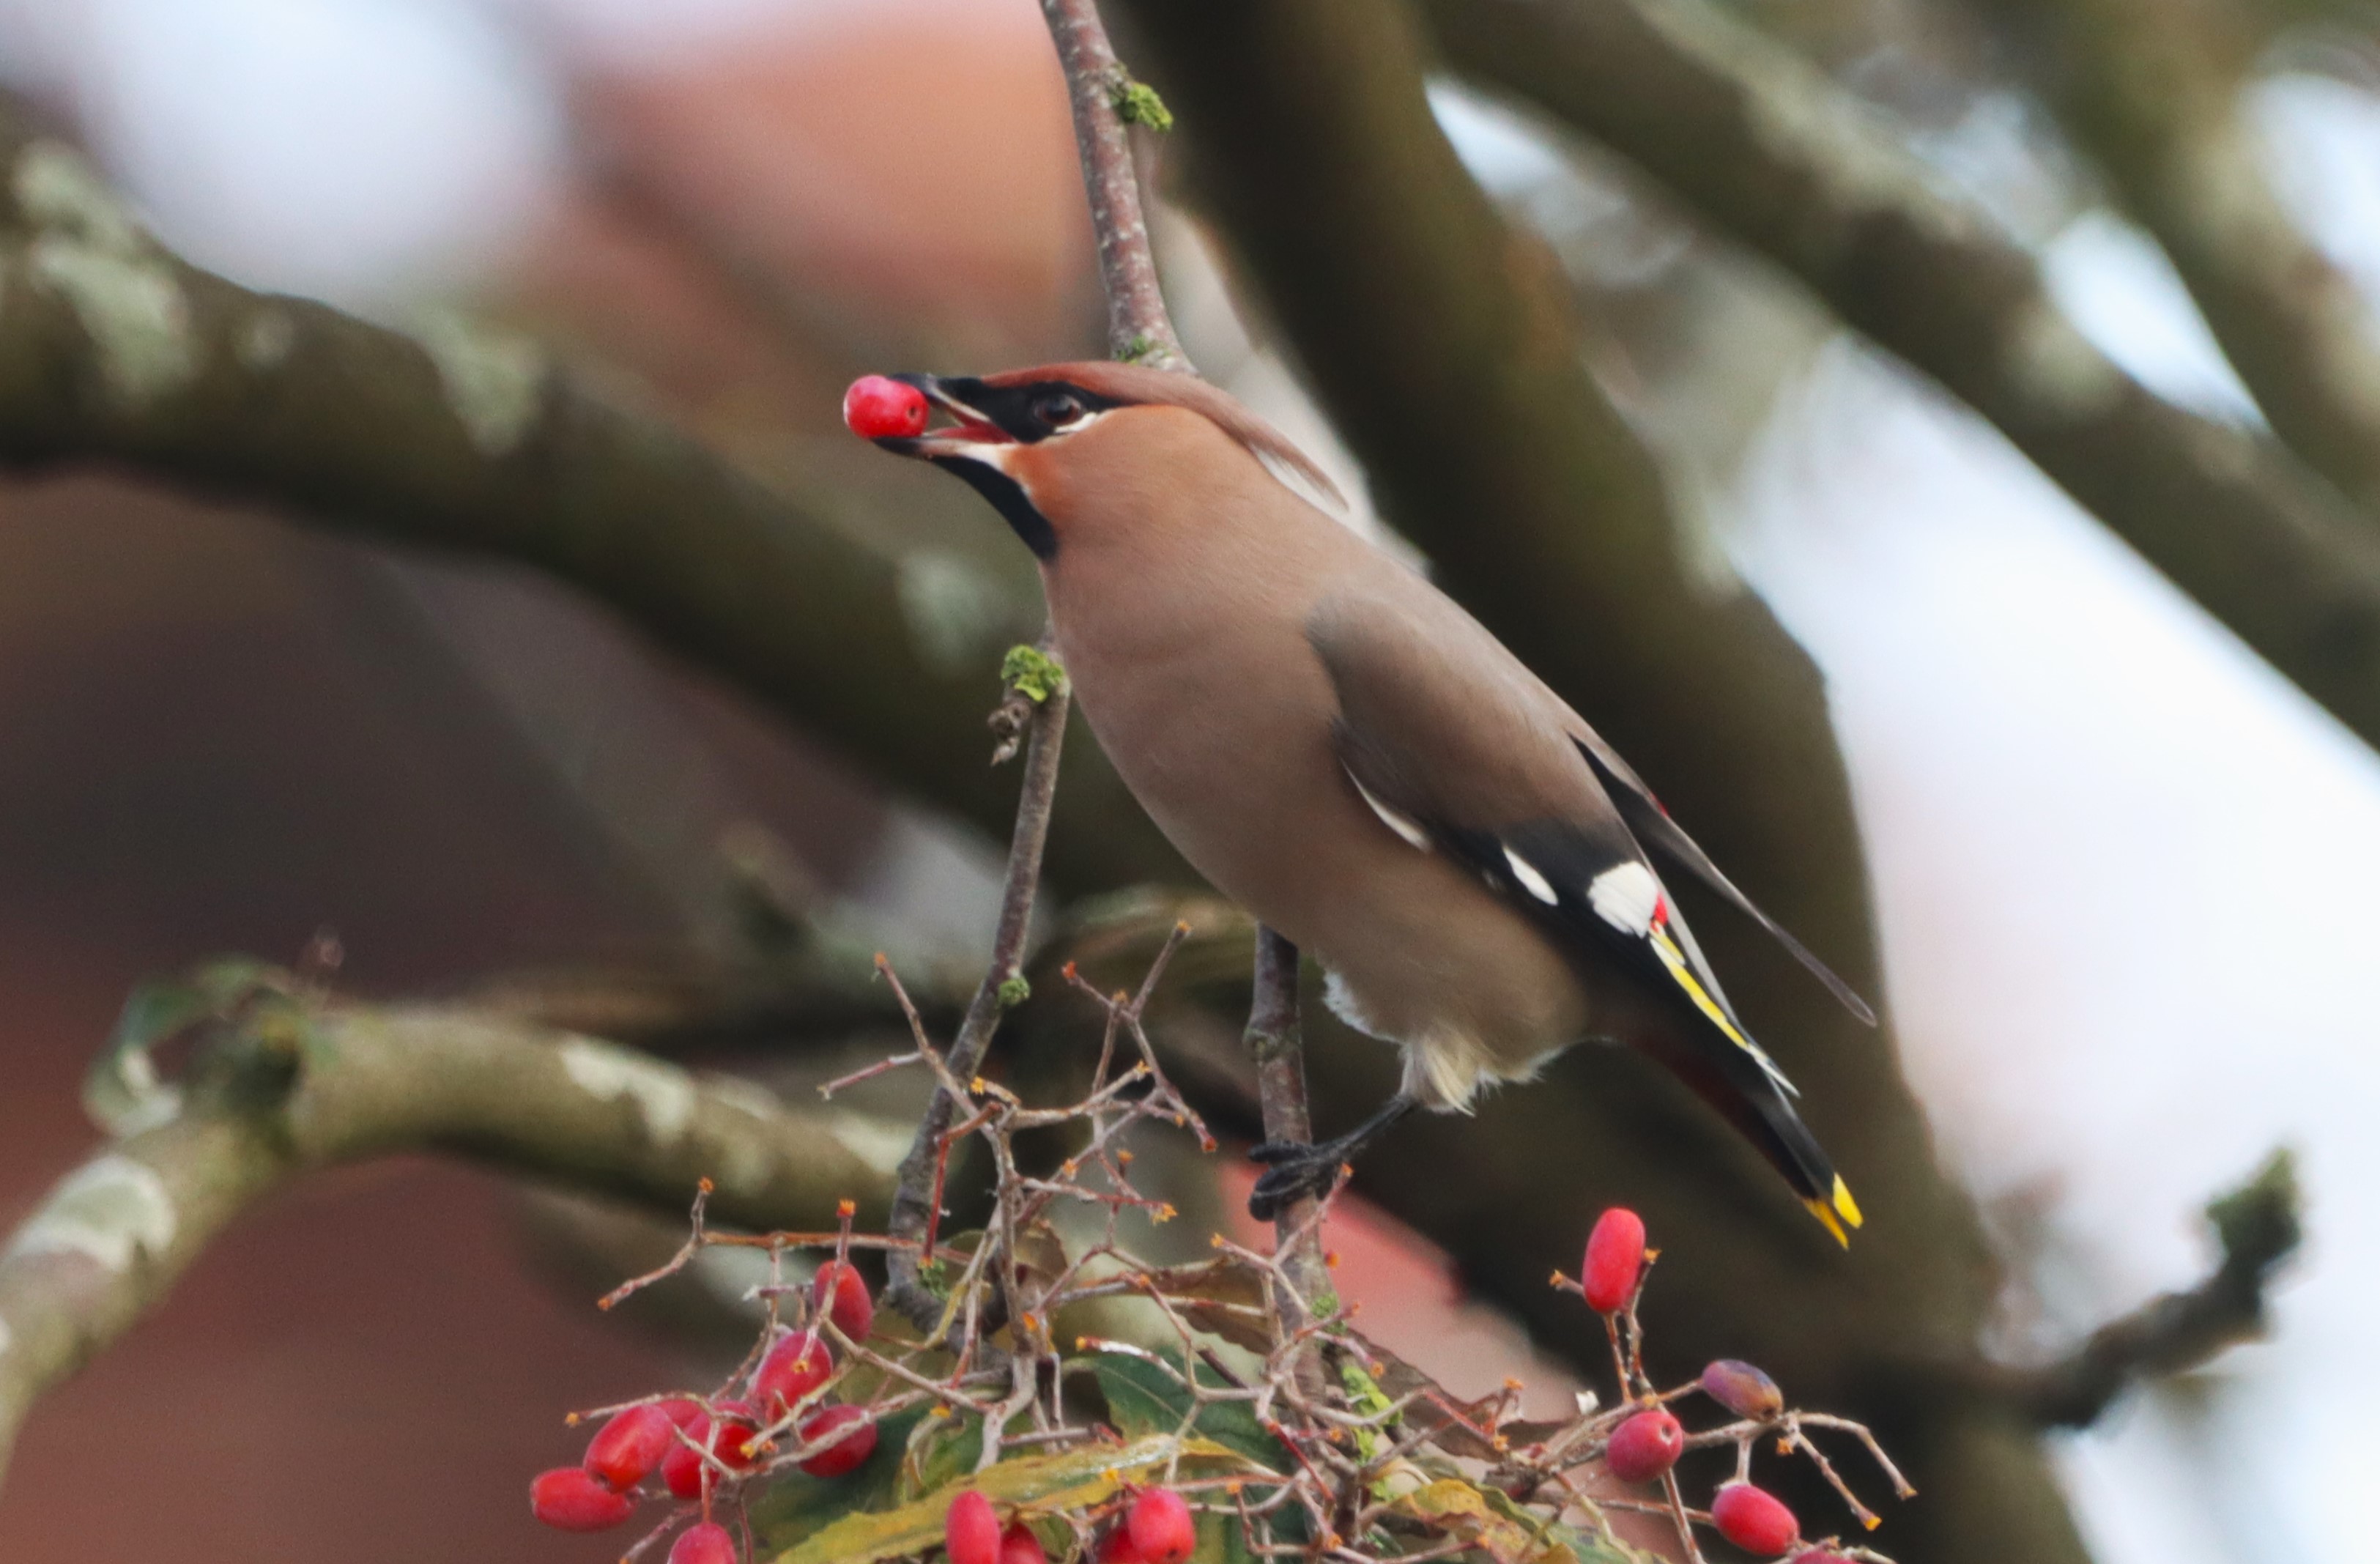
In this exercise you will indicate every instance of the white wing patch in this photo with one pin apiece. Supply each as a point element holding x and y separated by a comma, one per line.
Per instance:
<point>1403,825</point>
<point>1625,897</point>
<point>1533,882</point>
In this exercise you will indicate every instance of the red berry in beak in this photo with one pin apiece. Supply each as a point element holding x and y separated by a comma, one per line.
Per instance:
<point>571,1498</point>
<point>1754,1520</point>
<point>1615,1258</point>
<point>878,408</point>
<point>1645,1447</point>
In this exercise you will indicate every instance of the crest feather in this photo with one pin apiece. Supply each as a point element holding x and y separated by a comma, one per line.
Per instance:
<point>1138,385</point>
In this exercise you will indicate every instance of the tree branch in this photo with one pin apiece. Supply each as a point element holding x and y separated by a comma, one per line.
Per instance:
<point>113,350</point>
<point>2258,1228</point>
<point>281,1086</point>
<point>1038,702</point>
<point>1775,156</point>
<point>2151,89</point>
<point>1139,328</point>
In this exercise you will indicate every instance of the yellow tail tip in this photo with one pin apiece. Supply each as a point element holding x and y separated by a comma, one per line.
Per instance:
<point>1845,1205</point>
<point>1834,1215</point>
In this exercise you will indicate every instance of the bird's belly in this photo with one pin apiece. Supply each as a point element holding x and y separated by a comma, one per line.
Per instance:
<point>1252,794</point>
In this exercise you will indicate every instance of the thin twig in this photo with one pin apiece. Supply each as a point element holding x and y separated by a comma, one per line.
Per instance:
<point>1139,329</point>
<point>915,1201</point>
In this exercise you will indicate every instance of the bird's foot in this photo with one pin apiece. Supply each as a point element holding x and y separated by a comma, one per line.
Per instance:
<point>1295,1170</point>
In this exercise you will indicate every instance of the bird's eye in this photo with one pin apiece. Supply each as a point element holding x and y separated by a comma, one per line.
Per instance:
<point>1057,409</point>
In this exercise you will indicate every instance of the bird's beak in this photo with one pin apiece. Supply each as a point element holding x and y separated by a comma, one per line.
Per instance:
<point>968,432</point>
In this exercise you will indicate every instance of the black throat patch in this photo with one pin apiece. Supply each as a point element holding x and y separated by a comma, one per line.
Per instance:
<point>1007,497</point>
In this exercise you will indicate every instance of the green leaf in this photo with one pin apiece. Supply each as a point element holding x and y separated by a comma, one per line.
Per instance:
<point>1504,1530</point>
<point>1069,1480</point>
<point>943,1451</point>
<point>1143,1398</point>
<point>1032,673</point>
<point>1136,102</point>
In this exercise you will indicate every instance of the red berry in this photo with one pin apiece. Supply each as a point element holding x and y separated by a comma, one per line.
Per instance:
<point>707,1543</point>
<point>877,408</point>
<point>682,1468</point>
<point>847,1452</point>
<point>1117,1546</point>
<point>971,1531</point>
<point>1742,1389</point>
<point>681,1411</point>
<point>1615,1258</point>
<point>571,1498</point>
<point>626,1450</point>
<point>794,1366</point>
<point>1754,1520</point>
<point>1161,1528</point>
<point>841,1296</point>
<point>1019,1545</point>
<point>1645,1446</point>
<point>730,1441</point>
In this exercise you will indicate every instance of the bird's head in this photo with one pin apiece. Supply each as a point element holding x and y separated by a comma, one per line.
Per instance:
<point>1059,446</point>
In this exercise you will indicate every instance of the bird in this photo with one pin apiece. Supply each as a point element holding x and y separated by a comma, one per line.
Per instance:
<point>1341,748</point>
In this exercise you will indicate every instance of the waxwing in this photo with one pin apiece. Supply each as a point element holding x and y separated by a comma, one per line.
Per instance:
<point>1338,747</point>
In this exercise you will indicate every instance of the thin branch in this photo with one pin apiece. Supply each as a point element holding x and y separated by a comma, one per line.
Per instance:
<point>2152,90</point>
<point>2257,1227</point>
<point>917,1197</point>
<point>286,1088</point>
<point>1276,1041</point>
<point>1775,156</point>
<point>1139,328</point>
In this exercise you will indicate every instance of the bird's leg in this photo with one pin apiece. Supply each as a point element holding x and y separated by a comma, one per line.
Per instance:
<point>1295,1168</point>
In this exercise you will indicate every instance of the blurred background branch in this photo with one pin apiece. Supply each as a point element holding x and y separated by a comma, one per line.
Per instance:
<point>115,351</point>
<point>2257,1227</point>
<point>281,1085</point>
<point>2154,93</point>
<point>1775,156</point>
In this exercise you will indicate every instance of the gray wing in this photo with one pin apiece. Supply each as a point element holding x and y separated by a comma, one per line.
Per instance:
<point>1460,749</point>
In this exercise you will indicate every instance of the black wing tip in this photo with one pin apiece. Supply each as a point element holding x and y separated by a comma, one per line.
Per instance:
<point>1845,995</point>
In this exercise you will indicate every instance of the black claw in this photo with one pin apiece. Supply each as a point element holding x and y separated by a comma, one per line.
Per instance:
<point>1297,1171</point>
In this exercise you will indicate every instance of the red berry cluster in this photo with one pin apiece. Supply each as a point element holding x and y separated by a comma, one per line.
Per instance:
<point>1154,1528</point>
<point>697,1447</point>
<point>1644,1445</point>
